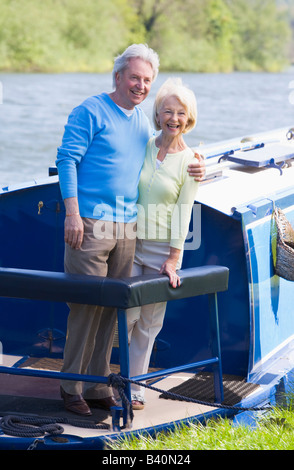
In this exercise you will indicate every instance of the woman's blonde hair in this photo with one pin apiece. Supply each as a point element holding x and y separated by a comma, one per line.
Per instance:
<point>174,87</point>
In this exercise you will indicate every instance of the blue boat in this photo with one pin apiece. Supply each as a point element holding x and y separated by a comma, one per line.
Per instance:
<point>227,345</point>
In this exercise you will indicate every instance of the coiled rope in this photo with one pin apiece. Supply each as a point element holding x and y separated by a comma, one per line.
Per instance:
<point>29,427</point>
<point>36,426</point>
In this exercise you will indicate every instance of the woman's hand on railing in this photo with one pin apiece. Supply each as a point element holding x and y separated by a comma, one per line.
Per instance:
<point>169,268</point>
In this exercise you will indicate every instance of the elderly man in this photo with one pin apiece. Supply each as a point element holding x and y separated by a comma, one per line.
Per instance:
<point>99,164</point>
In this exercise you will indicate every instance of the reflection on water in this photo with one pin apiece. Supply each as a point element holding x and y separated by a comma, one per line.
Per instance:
<point>34,109</point>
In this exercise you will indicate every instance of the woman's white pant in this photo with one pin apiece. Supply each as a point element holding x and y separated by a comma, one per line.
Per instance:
<point>144,323</point>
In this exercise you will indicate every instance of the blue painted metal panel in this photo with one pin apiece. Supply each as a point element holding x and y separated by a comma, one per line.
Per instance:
<point>271,297</point>
<point>185,337</point>
<point>31,236</point>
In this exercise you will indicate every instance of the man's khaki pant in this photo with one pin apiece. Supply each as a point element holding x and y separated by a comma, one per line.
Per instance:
<point>107,250</point>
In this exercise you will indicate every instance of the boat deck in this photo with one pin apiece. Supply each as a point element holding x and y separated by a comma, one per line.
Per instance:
<point>26,396</point>
<point>230,179</point>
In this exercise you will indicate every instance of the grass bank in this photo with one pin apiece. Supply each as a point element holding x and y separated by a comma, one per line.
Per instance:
<point>275,431</point>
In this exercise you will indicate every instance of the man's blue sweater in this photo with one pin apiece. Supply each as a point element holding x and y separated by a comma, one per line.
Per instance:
<point>101,157</point>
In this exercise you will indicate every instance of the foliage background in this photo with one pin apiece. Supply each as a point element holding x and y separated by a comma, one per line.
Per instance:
<point>189,35</point>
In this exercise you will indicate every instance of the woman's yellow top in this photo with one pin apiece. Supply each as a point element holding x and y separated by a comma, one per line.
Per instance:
<point>166,197</point>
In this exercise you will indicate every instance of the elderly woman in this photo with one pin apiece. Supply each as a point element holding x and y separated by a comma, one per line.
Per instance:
<point>166,197</point>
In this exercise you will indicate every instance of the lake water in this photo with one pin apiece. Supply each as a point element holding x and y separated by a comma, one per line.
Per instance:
<point>34,109</point>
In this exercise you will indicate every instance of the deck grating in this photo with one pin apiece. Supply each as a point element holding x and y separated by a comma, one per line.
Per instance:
<point>201,387</point>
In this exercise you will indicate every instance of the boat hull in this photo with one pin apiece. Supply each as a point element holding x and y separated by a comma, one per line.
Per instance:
<point>234,226</point>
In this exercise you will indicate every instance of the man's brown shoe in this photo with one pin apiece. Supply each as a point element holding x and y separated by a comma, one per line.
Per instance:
<point>75,403</point>
<point>104,403</point>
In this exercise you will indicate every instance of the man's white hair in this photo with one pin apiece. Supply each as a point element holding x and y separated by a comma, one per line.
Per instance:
<point>141,51</point>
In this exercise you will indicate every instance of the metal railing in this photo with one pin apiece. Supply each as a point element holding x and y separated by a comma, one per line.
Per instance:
<point>121,294</point>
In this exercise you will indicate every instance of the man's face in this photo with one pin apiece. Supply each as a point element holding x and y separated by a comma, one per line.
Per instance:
<point>134,83</point>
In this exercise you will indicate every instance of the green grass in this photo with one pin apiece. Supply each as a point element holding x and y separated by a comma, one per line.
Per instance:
<point>273,432</point>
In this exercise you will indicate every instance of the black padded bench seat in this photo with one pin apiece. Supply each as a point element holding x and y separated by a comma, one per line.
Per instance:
<point>121,293</point>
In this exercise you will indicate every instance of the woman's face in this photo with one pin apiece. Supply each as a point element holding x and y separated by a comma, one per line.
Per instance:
<point>172,117</point>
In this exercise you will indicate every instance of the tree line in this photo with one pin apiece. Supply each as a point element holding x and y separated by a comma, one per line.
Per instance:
<point>189,35</point>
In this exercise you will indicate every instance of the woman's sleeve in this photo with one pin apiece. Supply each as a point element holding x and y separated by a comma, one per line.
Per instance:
<point>181,214</point>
